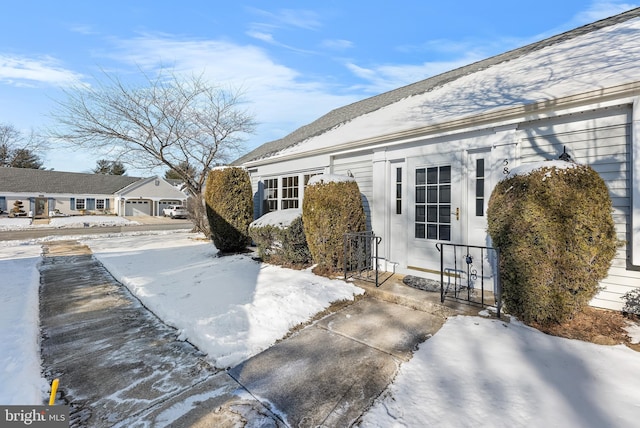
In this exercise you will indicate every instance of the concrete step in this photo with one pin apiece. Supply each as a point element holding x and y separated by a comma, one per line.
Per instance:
<point>394,290</point>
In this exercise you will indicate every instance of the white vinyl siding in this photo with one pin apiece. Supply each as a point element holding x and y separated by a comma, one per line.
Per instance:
<point>361,168</point>
<point>600,139</point>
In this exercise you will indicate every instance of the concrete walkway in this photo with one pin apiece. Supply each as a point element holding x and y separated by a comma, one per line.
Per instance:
<point>119,365</point>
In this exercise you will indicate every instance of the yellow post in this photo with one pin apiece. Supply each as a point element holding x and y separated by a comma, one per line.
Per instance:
<point>54,389</point>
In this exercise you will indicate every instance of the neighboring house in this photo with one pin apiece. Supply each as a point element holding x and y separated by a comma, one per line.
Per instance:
<point>427,156</point>
<point>48,193</point>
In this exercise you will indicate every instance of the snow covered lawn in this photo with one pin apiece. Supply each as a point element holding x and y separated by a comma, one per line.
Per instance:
<point>230,307</point>
<point>482,372</point>
<point>18,223</point>
<point>20,381</point>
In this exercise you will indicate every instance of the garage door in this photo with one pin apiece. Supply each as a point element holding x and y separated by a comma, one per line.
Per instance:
<point>134,208</point>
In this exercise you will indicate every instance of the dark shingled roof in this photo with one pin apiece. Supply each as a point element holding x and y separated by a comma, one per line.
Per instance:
<point>42,181</point>
<point>359,108</point>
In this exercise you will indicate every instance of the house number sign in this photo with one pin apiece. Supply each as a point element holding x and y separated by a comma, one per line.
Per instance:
<point>505,170</point>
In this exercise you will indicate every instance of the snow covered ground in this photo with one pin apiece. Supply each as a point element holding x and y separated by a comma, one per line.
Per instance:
<point>473,372</point>
<point>230,307</point>
<point>18,223</point>
<point>20,381</point>
<point>485,372</point>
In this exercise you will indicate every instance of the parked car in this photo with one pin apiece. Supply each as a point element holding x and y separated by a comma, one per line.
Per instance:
<point>175,211</point>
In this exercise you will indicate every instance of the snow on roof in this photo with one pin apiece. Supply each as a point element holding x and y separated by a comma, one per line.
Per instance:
<point>329,178</point>
<point>600,55</point>
<point>534,166</point>
<point>281,218</point>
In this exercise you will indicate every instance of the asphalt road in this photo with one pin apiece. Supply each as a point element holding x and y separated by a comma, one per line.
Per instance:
<point>25,234</point>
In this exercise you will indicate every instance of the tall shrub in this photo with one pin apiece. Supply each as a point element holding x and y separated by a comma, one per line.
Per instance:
<point>229,204</point>
<point>332,206</point>
<point>556,236</point>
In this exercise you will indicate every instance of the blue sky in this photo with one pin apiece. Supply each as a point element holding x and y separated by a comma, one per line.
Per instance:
<point>294,60</point>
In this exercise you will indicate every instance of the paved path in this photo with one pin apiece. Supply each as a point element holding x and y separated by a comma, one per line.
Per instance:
<point>41,232</point>
<point>119,365</point>
<point>113,357</point>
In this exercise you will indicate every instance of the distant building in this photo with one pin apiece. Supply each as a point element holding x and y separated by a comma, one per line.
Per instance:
<point>50,193</point>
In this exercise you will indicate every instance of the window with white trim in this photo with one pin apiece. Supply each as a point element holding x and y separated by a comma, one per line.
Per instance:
<point>99,204</point>
<point>307,177</point>
<point>399,190</point>
<point>479,187</point>
<point>290,192</point>
<point>271,194</point>
<point>433,203</point>
<point>80,204</point>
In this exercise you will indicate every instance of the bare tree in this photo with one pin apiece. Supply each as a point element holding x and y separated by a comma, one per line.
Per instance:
<point>168,121</point>
<point>18,151</point>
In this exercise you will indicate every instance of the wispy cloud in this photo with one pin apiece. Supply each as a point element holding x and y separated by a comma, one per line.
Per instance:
<point>262,36</point>
<point>25,71</point>
<point>382,78</point>
<point>600,10</point>
<point>336,44</point>
<point>271,23</point>
<point>85,30</point>
<point>279,94</point>
<point>298,18</point>
<point>595,11</point>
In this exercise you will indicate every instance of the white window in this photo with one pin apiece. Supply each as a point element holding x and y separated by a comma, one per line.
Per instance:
<point>480,188</point>
<point>433,203</point>
<point>271,194</point>
<point>399,190</point>
<point>99,204</point>
<point>307,177</point>
<point>290,192</point>
<point>80,204</point>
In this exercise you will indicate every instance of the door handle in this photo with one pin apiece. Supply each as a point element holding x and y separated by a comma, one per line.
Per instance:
<point>458,213</point>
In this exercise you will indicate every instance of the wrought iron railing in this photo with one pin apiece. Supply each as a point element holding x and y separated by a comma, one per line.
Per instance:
<point>466,267</point>
<point>361,256</point>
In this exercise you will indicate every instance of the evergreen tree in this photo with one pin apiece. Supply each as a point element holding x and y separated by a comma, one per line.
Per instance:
<point>107,167</point>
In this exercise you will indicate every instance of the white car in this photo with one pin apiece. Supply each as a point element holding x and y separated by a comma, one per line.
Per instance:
<point>175,211</point>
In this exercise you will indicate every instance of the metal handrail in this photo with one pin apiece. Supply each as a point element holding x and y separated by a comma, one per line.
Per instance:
<point>498,292</point>
<point>369,239</point>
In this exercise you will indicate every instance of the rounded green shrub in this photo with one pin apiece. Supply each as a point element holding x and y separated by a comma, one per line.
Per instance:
<point>330,209</point>
<point>282,243</point>
<point>229,204</point>
<point>556,237</point>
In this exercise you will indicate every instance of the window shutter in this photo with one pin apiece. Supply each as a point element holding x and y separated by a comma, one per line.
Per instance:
<point>72,204</point>
<point>91,204</point>
<point>106,204</point>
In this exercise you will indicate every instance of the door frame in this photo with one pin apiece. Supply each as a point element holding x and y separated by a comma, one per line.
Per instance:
<point>45,210</point>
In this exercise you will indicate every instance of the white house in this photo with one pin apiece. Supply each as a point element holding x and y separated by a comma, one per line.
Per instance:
<point>427,156</point>
<point>44,193</point>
